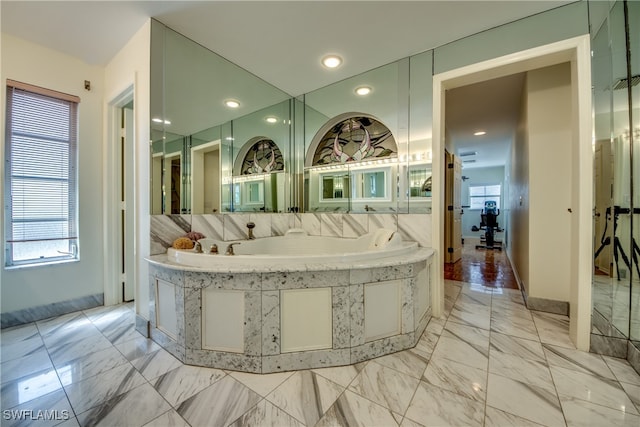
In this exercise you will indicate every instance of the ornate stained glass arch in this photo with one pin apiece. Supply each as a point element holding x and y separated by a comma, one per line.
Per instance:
<point>354,139</point>
<point>263,156</point>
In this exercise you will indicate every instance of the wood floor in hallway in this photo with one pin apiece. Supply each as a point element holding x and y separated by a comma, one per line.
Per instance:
<point>490,268</point>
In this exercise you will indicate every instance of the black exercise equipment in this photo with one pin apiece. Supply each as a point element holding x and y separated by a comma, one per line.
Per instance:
<point>618,251</point>
<point>489,223</point>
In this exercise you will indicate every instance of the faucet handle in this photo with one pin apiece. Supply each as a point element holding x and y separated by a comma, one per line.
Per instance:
<point>229,250</point>
<point>213,249</point>
<point>198,247</point>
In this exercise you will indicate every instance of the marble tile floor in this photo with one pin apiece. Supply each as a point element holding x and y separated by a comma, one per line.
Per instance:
<point>488,362</point>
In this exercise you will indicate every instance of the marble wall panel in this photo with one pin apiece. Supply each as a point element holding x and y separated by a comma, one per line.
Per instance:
<point>211,225</point>
<point>355,225</point>
<point>270,322</point>
<point>252,323</point>
<point>304,359</point>
<point>164,229</point>
<point>304,279</point>
<point>341,322</point>
<point>416,228</point>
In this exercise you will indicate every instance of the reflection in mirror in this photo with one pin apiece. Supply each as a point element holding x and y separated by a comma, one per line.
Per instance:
<point>634,40</point>
<point>189,87</point>
<point>614,297</point>
<point>361,154</point>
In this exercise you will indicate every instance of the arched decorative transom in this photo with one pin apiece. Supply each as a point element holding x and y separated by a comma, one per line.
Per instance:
<point>352,139</point>
<point>262,156</point>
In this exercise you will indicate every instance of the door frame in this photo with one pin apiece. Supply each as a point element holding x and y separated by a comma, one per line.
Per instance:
<point>577,52</point>
<point>112,200</point>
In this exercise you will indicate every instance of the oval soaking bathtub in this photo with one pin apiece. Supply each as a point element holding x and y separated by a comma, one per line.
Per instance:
<point>290,302</point>
<point>295,247</point>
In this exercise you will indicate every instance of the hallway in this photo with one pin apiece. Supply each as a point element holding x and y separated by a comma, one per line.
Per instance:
<point>490,268</point>
<point>488,361</point>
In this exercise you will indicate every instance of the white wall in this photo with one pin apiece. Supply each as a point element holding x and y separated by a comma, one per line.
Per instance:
<point>131,66</point>
<point>540,185</point>
<point>35,286</point>
<point>518,212</point>
<point>549,135</point>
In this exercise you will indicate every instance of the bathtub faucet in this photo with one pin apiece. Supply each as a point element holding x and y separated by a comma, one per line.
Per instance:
<point>229,250</point>
<point>198,247</point>
<point>251,226</point>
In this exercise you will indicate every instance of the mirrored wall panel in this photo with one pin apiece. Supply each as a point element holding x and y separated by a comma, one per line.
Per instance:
<point>616,286</point>
<point>205,112</point>
<point>367,141</point>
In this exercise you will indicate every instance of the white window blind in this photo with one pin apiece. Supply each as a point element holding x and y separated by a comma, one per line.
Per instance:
<point>478,194</point>
<point>40,176</point>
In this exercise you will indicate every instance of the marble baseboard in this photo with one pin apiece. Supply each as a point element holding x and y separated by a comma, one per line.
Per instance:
<point>143,326</point>
<point>305,359</point>
<point>604,326</point>
<point>633,355</point>
<point>32,314</point>
<point>608,346</point>
<point>382,347</point>
<point>547,305</point>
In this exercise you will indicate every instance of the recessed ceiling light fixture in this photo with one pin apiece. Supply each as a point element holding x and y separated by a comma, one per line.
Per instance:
<point>271,119</point>
<point>331,61</point>
<point>231,103</point>
<point>363,90</point>
<point>480,133</point>
<point>159,120</point>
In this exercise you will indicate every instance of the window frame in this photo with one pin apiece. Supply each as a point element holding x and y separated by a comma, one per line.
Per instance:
<point>65,156</point>
<point>497,198</point>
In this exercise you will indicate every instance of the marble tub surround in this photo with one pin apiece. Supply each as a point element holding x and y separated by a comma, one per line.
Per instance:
<point>232,226</point>
<point>264,300</point>
<point>526,382</point>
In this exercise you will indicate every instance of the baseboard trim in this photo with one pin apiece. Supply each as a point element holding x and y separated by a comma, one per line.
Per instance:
<point>33,314</point>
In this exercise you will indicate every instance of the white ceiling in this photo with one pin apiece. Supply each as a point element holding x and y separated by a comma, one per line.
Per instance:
<point>283,42</point>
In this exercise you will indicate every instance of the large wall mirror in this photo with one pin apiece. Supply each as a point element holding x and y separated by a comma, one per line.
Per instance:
<point>616,283</point>
<point>223,140</point>
<point>367,143</point>
<point>205,112</point>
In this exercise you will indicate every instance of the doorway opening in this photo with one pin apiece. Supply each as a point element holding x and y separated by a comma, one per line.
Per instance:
<point>119,228</point>
<point>576,206</point>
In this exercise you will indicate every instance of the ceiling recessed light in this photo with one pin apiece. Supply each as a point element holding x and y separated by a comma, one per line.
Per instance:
<point>271,119</point>
<point>331,61</point>
<point>159,120</point>
<point>363,90</point>
<point>480,133</point>
<point>232,103</point>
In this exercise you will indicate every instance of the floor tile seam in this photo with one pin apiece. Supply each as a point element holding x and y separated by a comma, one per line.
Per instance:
<point>247,411</point>
<point>3,341</point>
<point>62,387</point>
<point>580,369</point>
<point>195,394</point>
<point>366,362</point>
<point>572,398</point>
<point>396,370</point>
<point>377,403</point>
<point>303,422</point>
<point>528,359</point>
<point>92,377</point>
<point>523,416</point>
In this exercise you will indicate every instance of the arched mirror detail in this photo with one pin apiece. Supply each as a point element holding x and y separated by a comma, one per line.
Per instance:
<point>263,156</point>
<point>353,139</point>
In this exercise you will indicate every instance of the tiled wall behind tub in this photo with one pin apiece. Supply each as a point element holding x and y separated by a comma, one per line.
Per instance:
<point>166,228</point>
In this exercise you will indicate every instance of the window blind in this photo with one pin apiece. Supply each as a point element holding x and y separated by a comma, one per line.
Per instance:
<point>40,175</point>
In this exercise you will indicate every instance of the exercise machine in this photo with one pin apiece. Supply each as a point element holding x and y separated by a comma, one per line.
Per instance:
<point>618,250</point>
<point>489,223</point>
